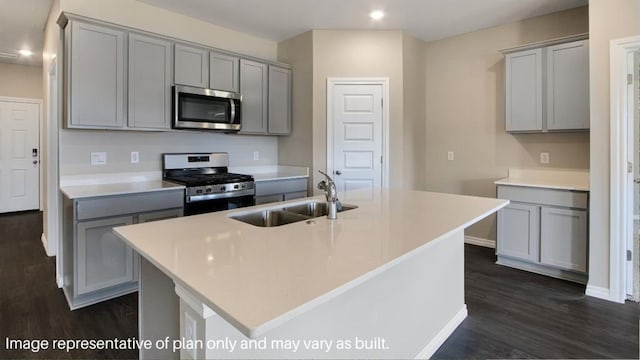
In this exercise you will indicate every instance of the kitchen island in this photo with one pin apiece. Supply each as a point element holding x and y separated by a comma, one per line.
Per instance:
<point>384,280</point>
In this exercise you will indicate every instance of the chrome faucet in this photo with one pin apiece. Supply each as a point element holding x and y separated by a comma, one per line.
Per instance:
<point>330,192</point>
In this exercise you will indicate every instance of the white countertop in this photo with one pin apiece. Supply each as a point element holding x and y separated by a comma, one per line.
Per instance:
<point>270,173</point>
<point>257,278</point>
<point>87,191</point>
<point>562,179</point>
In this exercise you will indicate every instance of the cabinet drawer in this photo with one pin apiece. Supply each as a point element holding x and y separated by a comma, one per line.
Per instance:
<point>280,186</point>
<point>128,204</point>
<point>565,198</point>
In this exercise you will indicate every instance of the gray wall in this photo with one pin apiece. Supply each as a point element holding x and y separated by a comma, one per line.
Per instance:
<point>465,111</point>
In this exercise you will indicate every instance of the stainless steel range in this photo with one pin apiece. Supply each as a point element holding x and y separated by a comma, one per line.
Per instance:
<point>209,185</point>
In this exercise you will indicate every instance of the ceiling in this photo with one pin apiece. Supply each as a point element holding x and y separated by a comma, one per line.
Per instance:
<point>21,27</point>
<point>22,21</point>
<point>426,19</point>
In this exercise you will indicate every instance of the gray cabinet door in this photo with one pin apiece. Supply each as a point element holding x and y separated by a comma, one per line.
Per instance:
<point>524,91</point>
<point>149,82</point>
<point>102,259</point>
<point>563,238</point>
<point>191,66</point>
<point>253,88</point>
<point>519,231</point>
<point>279,101</point>
<point>224,73</point>
<point>568,86</point>
<point>97,74</point>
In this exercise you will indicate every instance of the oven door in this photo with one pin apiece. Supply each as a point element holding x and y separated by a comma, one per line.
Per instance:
<point>196,108</point>
<point>205,206</point>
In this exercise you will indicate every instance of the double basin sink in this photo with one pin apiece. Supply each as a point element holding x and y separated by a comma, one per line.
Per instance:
<point>289,214</point>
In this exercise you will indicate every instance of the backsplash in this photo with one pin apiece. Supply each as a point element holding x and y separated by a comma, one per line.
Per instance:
<point>76,147</point>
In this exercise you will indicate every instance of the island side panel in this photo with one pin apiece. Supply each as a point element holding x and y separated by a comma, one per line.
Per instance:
<point>158,311</point>
<point>414,306</point>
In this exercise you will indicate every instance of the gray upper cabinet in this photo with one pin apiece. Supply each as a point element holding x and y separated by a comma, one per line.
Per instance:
<point>253,88</point>
<point>547,88</point>
<point>568,86</point>
<point>279,101</point>
<point>149,82</point>
<point>96,76</point>
<point>191,66</point>
<point>224,73</point>
<point>524,91</point>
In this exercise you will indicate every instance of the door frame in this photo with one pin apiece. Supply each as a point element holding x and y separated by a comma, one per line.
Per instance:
<point>384,82</point>
<point>621,213</point>
<point>40,141</point>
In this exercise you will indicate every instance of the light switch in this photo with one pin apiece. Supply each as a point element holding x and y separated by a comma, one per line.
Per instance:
<point>256,155</point>
<point>98,158</point>
<point>135,157</point>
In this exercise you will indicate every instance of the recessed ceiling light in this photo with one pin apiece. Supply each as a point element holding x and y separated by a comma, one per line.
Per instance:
<point>376,14</point>
<point>25,52</point>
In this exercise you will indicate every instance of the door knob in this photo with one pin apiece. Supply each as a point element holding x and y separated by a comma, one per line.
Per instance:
<point>637,181</point>
<point>338,172</point>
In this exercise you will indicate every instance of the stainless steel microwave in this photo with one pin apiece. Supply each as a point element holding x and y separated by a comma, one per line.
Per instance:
<point>205,109</point>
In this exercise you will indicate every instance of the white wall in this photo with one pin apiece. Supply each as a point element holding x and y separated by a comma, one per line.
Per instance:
<point>77,145</point>
<point>608,20</point>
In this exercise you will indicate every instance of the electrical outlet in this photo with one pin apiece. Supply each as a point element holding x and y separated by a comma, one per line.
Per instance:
<point>256,155</point>
<point>544,157</point>
<point>135,157</point>
<point>98,158</point>
<point>450,156</point>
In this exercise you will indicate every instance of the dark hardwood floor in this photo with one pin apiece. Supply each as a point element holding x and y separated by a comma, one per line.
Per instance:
<point>32,306</point>
<point>517,314</point>
<point>512,313</point>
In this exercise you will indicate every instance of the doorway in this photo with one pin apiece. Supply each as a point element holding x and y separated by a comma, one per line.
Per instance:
<point>357,135</point>
<point>19,154</point>
<point>625,170</point>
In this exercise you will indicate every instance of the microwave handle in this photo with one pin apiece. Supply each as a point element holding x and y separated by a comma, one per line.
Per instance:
<point>233,110</point>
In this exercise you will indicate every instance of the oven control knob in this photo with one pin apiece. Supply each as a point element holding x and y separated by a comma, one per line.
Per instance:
<point>198,191</point>
<point>209,190</point>
<point>222,188</point>
<point>236,186</point>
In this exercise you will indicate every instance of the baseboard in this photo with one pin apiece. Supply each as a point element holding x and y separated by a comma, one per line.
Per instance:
<point>45,243</point>
<point>480,241</point>
<point>443,334</point>
<point>600,293</point>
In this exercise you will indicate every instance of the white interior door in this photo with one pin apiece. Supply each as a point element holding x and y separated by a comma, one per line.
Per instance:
<point>19,156</point>
<point>633,242</point>
<point>357,139</point>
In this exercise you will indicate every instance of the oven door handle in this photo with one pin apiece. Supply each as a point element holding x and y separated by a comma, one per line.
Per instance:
<point>226,195</point>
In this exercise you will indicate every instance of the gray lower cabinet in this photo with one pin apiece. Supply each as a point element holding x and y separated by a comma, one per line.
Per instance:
<point>544,231</point>
<point>95,76</point>
<point>253,88</point>
<point>191,66</point>
<point>224,72</point>
<point>97,265</point>
<point>149,88</point>
<point>280,190</point>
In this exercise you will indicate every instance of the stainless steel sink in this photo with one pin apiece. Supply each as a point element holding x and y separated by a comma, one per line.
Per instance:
<point>315,209</point>
<point>288,215</point>
<point>270,218</point>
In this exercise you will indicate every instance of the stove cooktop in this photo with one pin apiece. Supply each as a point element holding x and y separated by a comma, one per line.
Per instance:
<point>209,179</point>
